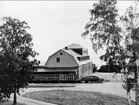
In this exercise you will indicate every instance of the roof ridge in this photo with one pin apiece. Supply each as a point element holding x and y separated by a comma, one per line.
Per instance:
<point>74,45</point>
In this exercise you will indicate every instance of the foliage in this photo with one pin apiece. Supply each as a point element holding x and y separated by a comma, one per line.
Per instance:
<point>102,26</point>
<point>105,32</point>
<point>129,84</point>
<point>131,24</point>
<point>110,68</point>
<point>16,55</point>
<point>121,41</point>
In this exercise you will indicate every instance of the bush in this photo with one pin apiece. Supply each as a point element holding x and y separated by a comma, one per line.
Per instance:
<point>110,68</point>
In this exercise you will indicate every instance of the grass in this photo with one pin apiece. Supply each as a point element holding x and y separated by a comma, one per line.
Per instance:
<point>66,97</point>
<point>9,103</point>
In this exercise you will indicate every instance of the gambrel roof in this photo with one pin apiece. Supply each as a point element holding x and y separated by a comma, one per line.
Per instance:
<point>69,50</point>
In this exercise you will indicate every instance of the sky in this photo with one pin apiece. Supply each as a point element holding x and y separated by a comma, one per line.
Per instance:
<point>56,24</point>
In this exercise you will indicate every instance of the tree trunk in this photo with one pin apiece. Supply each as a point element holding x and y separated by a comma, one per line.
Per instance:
<point>136,80</point>
<point>15,99</point>
<point>129,98</point>
<point>137,94</point>
<point>136,87</point>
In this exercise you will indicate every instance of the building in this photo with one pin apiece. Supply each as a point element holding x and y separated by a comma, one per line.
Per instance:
<point>68,64</point>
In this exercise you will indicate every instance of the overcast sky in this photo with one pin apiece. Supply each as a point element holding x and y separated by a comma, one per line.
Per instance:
<point>55,24</point>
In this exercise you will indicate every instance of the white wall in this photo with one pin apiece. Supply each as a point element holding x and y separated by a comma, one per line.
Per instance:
<point>85,71</point>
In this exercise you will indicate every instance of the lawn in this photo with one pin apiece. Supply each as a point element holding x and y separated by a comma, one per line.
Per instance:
<point>9,103</point>
<point>66,97</point>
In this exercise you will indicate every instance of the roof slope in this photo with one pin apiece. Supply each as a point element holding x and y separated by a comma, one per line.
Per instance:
<point>75,46</point>
<point>75,55</point>
<point>71,52</point>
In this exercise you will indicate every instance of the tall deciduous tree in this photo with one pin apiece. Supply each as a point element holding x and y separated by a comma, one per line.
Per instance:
<point>17,58</point>
<point>103,27</point>
<point>131,24</point>
<point>104,30</point>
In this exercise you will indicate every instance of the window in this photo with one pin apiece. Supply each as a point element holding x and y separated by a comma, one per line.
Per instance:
<point>57,59</point>
<point>61,53</point>
<point>79,58</point>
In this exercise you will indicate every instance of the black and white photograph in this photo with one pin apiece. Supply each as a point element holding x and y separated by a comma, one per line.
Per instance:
<point>69,52</point>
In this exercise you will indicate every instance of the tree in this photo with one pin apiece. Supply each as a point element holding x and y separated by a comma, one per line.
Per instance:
<point>106,32</point>
<point>17,58</point>
<point>104,29</point>
<point>131,24</point>
<point>112,58</point>
<point>129,84</point>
